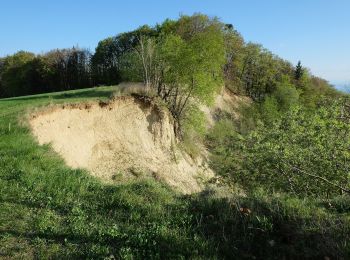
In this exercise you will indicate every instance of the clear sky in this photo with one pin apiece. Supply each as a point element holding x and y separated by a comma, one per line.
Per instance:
<point>317,32</point>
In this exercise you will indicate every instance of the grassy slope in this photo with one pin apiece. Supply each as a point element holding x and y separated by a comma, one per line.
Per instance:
<point>50,211</point>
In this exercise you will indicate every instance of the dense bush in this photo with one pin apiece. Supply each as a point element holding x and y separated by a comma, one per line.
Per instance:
<point>300,151</point>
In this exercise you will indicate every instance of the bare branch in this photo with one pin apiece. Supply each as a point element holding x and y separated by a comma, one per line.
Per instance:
<point>317,177</point>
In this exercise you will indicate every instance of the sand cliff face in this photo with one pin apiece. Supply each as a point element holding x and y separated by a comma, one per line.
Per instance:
<point>124,138</point>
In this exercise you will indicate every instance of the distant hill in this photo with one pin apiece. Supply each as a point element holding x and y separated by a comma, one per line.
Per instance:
<point>345,88</point>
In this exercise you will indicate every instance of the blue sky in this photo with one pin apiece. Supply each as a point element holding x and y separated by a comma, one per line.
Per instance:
<point>317,32</point>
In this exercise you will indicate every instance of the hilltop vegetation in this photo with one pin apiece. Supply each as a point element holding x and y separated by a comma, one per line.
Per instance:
<point>248,68</point>
<point>282,186</point>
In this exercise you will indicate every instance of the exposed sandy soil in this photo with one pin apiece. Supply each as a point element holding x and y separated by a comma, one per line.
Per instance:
<point>126,137</point>
<point>225,102</point>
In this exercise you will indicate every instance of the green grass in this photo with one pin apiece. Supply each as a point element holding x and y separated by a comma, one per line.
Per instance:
<point>48,210</point>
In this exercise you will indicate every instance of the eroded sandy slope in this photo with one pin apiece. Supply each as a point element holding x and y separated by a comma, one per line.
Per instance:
<point>127,136</point>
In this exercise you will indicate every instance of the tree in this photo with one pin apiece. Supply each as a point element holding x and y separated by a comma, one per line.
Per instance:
<point>26,73</point>
<point>108,62</point>
<point>234,45</point>
<point>191,71</point>
<point>66,69</point>
<point>183,68</point>
<point>104,62</point>
<point>190,26</point>
<point>147,53</point>
<point>16,73</point>
<point>299,71</point>
<point>2,91</point>
<point>286,95</point>
<point>259,71</point>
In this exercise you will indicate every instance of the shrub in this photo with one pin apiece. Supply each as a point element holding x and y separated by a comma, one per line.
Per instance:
<point>303,152</point>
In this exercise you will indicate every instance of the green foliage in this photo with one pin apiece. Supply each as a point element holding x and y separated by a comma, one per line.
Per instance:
<point>65,69</point>
<point>270,110</point>
<point>25,73</point>
<point>234,46</point>
<point>286,96</point>
<point>16,72</point>
<point>188,27</point>
<point>259,71</point>
<point>112,61</point>
<point>194,128</point>
<point>282,98</point>
<point>104,66</point>
<point>211,53</point>
<point>225,146</point>
<point>299,71</point>
<point>130,68</point>
<point>184,68</point>
<point>299,151</point>
<point>314,90</point>
<point>194,66</point>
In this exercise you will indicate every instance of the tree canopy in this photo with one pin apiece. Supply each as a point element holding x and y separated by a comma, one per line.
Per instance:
<point>247,68</point>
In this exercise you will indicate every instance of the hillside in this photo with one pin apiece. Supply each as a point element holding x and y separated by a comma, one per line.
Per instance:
<point>50,210</point>
<point>123,138</point>
<point>220,150</point>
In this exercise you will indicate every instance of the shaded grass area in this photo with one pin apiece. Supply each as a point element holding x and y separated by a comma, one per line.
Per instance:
<point>48,210</point>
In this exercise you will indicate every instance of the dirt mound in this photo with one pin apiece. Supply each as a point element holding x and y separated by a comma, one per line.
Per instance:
<point>126,137</point>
